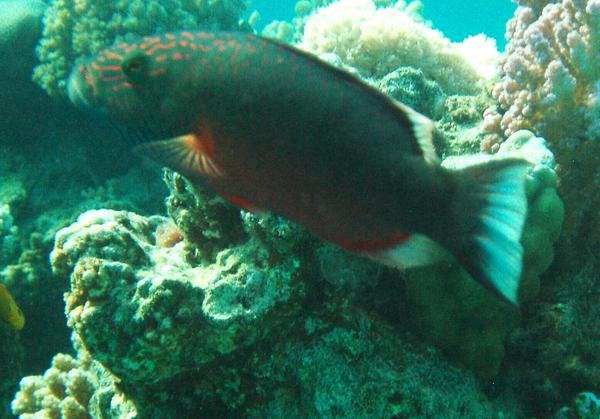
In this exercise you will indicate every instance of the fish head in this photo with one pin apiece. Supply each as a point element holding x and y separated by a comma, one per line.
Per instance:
<point>126,84</point>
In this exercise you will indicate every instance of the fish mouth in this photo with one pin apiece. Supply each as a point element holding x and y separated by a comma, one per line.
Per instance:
<point>75,87</point>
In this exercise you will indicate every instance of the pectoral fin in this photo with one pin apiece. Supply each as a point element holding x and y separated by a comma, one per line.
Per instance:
<point>191,154</point>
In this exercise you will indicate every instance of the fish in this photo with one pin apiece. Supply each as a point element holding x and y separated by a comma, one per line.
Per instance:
<point>10,313</point>
<point>272,128</point>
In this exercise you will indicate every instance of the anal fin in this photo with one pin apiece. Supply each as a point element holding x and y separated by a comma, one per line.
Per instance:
<point>416,250</point>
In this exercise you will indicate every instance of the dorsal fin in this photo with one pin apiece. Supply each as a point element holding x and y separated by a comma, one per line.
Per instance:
<point>423,130</point>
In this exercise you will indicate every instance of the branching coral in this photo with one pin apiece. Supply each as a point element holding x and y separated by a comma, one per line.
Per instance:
<point>550,73</point>
<point>74,28</point>
<point>72,388</point>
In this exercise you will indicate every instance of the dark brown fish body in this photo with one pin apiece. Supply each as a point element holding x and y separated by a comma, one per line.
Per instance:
<point>272,128</point>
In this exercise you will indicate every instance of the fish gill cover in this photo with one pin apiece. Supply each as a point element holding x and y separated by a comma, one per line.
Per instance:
<point>218,312</point>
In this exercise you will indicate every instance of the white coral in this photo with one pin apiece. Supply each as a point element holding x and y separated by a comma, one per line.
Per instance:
<point>378,41</point>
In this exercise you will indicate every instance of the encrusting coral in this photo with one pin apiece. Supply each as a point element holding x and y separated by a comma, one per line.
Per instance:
<point>153,302</point>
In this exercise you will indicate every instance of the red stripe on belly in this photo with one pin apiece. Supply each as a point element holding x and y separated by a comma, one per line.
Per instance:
<point>372,245</point>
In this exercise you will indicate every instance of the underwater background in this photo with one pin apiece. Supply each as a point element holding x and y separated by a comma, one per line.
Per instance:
<point>128,292</point>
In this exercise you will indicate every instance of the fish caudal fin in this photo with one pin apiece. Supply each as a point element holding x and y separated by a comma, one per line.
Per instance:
<point>487,220</point>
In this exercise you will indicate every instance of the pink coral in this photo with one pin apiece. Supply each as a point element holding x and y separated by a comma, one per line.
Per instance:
<point>551,72</point>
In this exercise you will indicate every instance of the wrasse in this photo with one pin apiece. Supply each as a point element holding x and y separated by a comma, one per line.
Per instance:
<point>10,313</point>
<point>272,128</point>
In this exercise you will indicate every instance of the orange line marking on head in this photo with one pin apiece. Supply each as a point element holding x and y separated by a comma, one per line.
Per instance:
<point>188,35</point>
<point>111,78</point>
<point>193,47</point>
<point>157,72</point>
<point>183,43</point>
<point>95,66</point>
<point>204,48</point>
<point>177,56</point>
<point>114,55</point>
<point>160,46</point>
<point>170,36</point>
<point>205,35</point>
<point>124,85</point>
<point>161,58</point>
<point>152,39</point>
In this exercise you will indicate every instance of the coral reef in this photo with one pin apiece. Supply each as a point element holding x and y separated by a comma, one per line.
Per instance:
<point>378,41</point>
<point>293,32</point>
<point>157,312</point>
<point>154,336</point>
<point>410,86</point>
<point>74,28</point>
<point>550,71</point>
<point>20,26</point>
<point>556,349</point>
<point>549,83</point>
<point>11,366</point>
<point>8,235</point>
<point>220,313</point>
<point>248,331</point>
<point>207,222</point>
<point>585,406</point>
<point>72,388</point>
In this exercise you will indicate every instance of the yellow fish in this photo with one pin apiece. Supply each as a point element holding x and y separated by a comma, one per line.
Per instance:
<point>10,313</point>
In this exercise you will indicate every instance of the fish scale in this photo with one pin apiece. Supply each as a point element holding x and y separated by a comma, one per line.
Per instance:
<point>272,128</point>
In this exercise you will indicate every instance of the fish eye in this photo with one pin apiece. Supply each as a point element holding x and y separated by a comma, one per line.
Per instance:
<point>134,66</point>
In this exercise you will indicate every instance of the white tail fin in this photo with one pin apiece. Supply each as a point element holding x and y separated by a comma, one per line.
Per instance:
<point>490,222</point>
